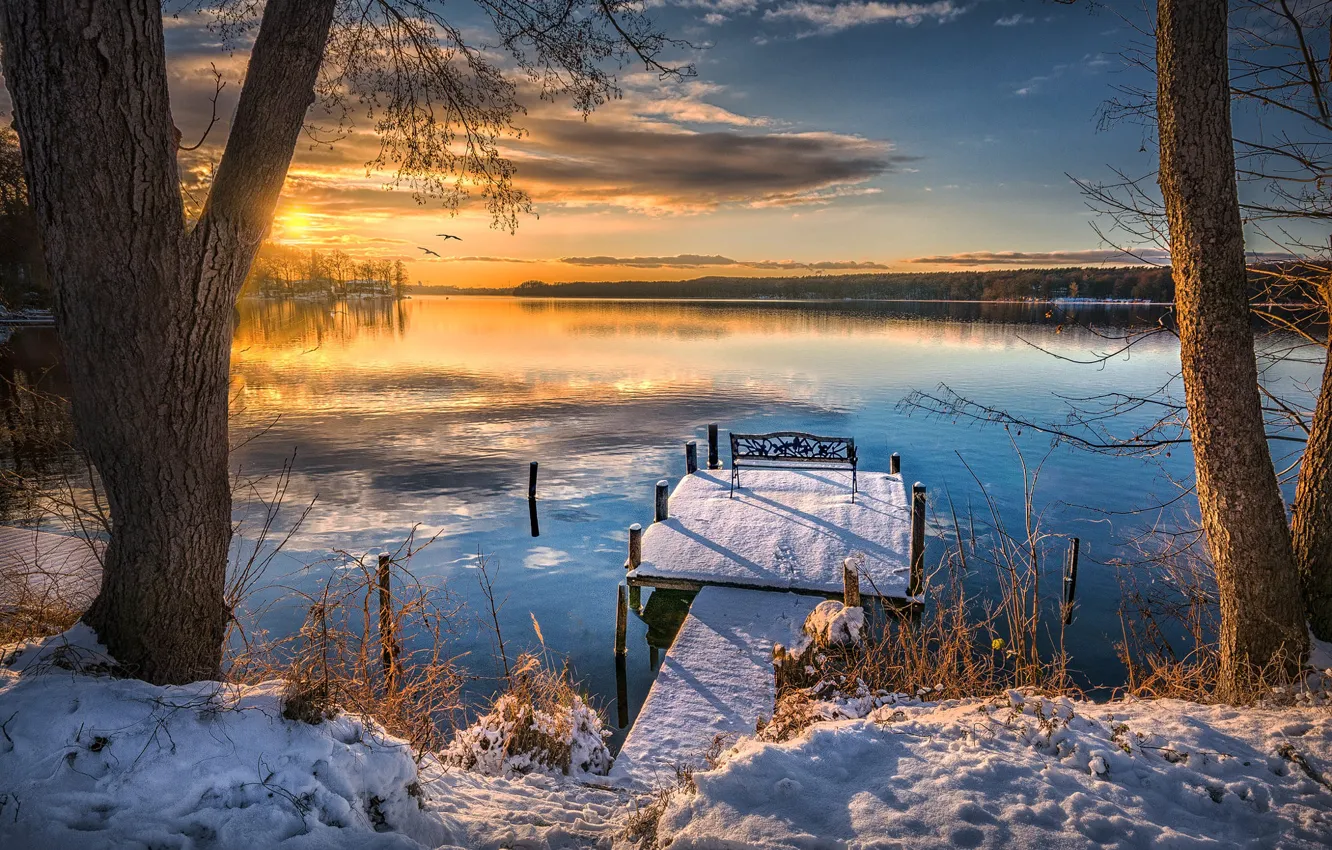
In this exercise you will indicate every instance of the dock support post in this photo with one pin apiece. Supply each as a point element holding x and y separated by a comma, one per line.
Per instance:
<point>714,460</point>
<point>622,691</point>
<point>531,480</point>
<point>388,646</point>
<point>691,457</point>
<point>917,538</point>
<point>1070,578</point>
<point>663,501</point>
<point>635,547</point>
<point>850,585</point>
<point>895,464</point>
<point>621,619</point>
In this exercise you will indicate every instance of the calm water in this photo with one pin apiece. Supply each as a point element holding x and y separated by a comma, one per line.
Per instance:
<point>428,412</point>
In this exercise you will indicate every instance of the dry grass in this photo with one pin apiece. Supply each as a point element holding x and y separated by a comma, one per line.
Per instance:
<point>1167,641</point>
<point>337,660</point>
<point>540,721</point>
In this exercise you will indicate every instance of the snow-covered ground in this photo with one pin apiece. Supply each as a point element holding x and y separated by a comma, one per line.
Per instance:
<point>1024,772</point>
<point>89,761</point>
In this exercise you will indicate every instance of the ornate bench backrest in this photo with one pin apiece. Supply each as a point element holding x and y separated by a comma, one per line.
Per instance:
<point>793,445</point>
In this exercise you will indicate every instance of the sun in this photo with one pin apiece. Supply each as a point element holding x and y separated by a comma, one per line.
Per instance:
<point>293,223</point>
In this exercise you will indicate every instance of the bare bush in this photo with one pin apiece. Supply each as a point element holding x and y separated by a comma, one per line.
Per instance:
<point>539,723</point>
<point>337,660</point>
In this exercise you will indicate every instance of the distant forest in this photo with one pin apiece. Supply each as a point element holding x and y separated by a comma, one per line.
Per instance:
<point>280,271</point>
<point>1133,282</point>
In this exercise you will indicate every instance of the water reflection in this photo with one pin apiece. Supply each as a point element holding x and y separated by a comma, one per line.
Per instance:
<point>430,411</point>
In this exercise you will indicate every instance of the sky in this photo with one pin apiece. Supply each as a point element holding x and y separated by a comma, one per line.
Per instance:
<point>819,136</point>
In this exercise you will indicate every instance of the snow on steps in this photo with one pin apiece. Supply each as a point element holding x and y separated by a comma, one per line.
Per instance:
<point>716,679</point>
<point>784,530</point>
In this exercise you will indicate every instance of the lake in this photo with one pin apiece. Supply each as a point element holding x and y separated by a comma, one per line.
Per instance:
<point>427,412</point>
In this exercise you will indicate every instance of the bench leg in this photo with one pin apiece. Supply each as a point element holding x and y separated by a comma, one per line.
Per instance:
<point>735,476</point>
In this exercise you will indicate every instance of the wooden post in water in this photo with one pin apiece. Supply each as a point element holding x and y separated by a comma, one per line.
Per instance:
<point>635,547</point>
<point>850,585</point>
<point>635,558</point>
<point>388,646</point>
<point>917,539</point>
<point>691,457</point>
<point>621,619</point>
<point>1070,578</point>
<point>663,501</point>
<point>714,460</point>
<point>622,690</point>
<point>895,464</point>
<point>531,481</point>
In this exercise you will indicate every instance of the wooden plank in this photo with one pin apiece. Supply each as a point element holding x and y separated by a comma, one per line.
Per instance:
<point>785,530</point>
<point>716,679</point>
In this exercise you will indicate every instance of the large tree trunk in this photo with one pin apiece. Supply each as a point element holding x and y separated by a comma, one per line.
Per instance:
<point>143,307</point>
<point>1262,618</point>
<point>1311,521</point>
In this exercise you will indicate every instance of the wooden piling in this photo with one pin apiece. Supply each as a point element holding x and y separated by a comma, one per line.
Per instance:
<point>531,480</point>
<point>622,691</point>
<point>388,645</point>
<point>714,459</point>
<point>691,457</point>
<point>917,539</point>
<point>850,585</point>
<point>621,619</point>
<point>1070,578</point>
<point>663,501</point>
<point>895,464</point>
<point>532,517</point>
<point>635,547</point>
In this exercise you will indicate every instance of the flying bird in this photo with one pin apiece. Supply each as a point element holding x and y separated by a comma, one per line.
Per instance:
<point>448,236</point>
<point>428,251</point>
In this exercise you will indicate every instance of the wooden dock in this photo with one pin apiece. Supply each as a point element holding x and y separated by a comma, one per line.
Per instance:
<point>760,557</point>
<point>783,530</point>
<point>716,679</point>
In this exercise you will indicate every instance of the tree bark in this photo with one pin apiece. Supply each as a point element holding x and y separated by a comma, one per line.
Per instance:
<point>1243,514</point>
<point>143,307</point>
<point>1311,520</point>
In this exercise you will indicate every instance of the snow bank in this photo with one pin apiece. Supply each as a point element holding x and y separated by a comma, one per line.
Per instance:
<point>89,761</point>
<point>831,622</point>
<point>1023,772</point>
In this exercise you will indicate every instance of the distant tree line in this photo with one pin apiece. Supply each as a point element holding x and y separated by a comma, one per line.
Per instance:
<point>1137,282</point>
<point>23,280</point>
<point>281,271</point>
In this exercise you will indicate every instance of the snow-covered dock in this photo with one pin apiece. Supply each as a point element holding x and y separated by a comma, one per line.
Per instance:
<point>783,530</point>
<point>716,679</point>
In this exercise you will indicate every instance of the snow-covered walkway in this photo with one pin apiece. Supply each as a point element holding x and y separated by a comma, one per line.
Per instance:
<point>716,679</point>
<point>784,530</point>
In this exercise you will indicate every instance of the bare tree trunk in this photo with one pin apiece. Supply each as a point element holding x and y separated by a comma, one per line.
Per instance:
<point>1242,511</point>
<point>1311,521</point>
<point>143,307</point>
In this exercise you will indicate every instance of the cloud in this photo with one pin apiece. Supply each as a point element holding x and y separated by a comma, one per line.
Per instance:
<point>1091,63</point>
<point>669,168</point>
<point>833,18</point>
<point>692,261</point>
<point>1014,20</point>
<point>1046,258</point>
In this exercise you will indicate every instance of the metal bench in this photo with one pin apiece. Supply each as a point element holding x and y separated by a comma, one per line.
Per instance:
<point>792,450</point>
